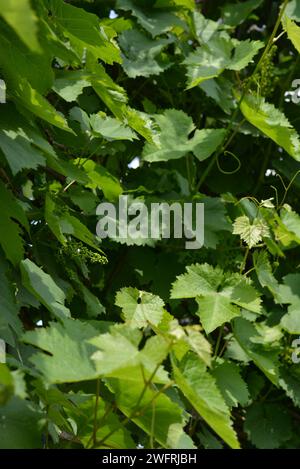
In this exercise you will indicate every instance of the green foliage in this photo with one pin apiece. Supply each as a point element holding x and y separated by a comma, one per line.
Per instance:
<point>131,341</point>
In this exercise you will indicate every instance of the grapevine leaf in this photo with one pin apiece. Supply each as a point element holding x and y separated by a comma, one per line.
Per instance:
<point>68,351</point>
<point>20,425</point>
<point>215,310</point>
<point>200,389</point>
<point>43,287</point>
<point>235,14</point>
<point>251,233</point>
<point>231,384</point>
<point>173,140</point>
<point>265,359</point>
<point>143,56</point>
<point>155,23</point>
<point>268,425</point>
<point>140,308</point>
<point>293,32</point>
<point>271,122</point>
<point>22,18</point>
<point>291,320</point>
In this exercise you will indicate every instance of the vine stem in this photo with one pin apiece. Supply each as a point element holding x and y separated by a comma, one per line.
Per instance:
<point>222,147</point>
<point>244,260</point>
<point>218,341</point>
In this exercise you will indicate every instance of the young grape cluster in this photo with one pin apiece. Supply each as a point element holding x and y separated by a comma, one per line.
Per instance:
<point>76,249</point>
<point>265,80</point>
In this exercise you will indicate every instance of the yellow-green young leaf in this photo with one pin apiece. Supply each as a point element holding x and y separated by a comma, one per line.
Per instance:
<point>293,31</point>
<point>22,18</point>
<point>200,388</point>
<point>251,233</point>
<point>271,122</point>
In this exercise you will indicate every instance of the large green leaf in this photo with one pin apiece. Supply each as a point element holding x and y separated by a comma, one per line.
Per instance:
<point>236,13</point>
<point>119,357</point>
<point>157,22</point>
<point>19,64</point>
<point>43,287</point>
<point>291,320</point>
<point>8,306</point>
<point>68,351</point>
<point>39,106</point>
<point>84,31</point>
<point>18,138</point>
<point>143,56</point>
<point>231,384</point>
<point>218,294</point>
<point>173,141</point>
<point>218,54</point>
<point>268,425</point>
<point>264,273</point>
<point>22,18</point>
<point>10,232</point>
<point>215,310</point>
<point>200,389</point>
<point>264,358</point>
<point>271,122</point>
<point>20,425</point>
<point>161,417</point>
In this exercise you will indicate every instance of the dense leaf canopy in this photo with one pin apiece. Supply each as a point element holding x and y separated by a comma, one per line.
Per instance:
<point>137,341</point>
